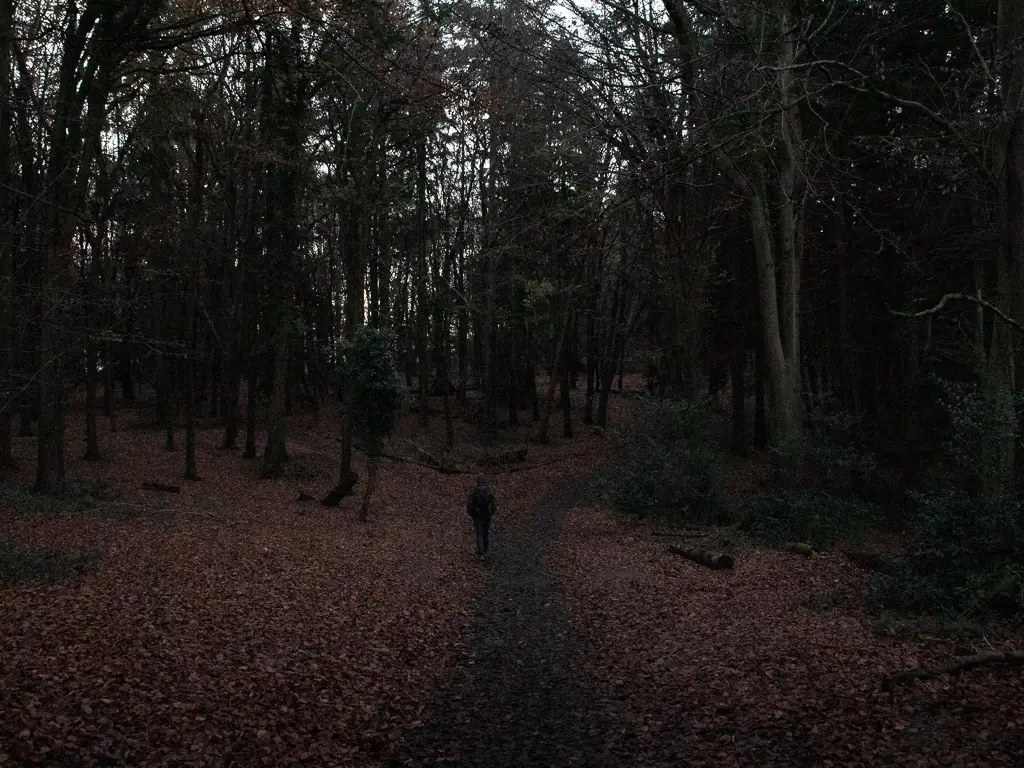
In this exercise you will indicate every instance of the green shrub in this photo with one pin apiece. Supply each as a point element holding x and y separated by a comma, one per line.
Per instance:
<point>377,391</point>
<point>19,564</point>
<point>965,559</point>
<point>670,465</point>
<point>813,517</point>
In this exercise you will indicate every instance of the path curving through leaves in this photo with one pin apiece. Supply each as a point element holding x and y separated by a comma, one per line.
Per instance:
<point>513,696</point>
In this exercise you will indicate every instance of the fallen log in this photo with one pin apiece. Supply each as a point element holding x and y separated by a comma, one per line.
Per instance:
<point>964,662</point>
<point>869,561</point>
<point>163,487</point>
<point>716,560</point>
<point>799,548</point>
<point>681,534</point>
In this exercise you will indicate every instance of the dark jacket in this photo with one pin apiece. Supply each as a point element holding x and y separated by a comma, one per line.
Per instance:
<point>480,504</point>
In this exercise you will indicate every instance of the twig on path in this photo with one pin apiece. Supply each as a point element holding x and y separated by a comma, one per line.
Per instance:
<point>682,534</point>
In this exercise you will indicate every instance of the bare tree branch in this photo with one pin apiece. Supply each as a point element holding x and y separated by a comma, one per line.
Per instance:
<point>963,297</point>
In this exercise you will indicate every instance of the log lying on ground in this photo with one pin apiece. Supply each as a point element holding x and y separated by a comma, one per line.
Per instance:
<point>964,662</point>
<point>161,487</point>
<point>799,548</point>
<point>715,560</point>
<point>870,561</point>
<point>682,534</point>
<point>341,490</point>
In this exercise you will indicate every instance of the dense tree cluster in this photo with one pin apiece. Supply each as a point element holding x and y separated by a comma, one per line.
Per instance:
<point>203,198</point>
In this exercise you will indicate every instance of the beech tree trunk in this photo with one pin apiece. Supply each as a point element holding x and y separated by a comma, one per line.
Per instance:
<point>165,398</point>
<point>7,292</point>
<point>275,453</point>
<point>372,465</point>
<point>565,376</point>
<point>760,436</point>
<point>93,37</point>
<point>737,362</point>
<point>545,421</point>
<point>250,411</point>
<point>92,441</point>
<point>422,306</point>
<point>999,461</point>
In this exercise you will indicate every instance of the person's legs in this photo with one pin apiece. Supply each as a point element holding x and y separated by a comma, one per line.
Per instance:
<point>481,536</point>
<point>487,531</point>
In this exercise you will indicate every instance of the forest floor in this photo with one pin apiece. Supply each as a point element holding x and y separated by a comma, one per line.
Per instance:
<point>230,624</point>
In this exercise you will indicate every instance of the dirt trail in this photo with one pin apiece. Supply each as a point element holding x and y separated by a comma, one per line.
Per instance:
<point>513,698</point>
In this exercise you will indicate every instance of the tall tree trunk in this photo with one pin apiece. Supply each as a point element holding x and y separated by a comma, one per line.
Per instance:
<point>232,402</point>
<point>487,330</point>
<point>781,358</point>
<point>1000,461</point>
<point>354,312</point>
<point>275,453</point>
<point>737,362</point>
<point>372,465</point>
<point>165,398</point>
<point>778,249</point>
<point>92,440</point>
<point>191,472</point>
<point>26,414</point>
<point>7,290</point>
<point>588,408</point>
<point>90,53</point>
<point>847,351</point>
<point>191,363</point>
<point>462,333</point>
<point>124,370</point>
<point>530,375</point>
<point>513,347</point>
<point>422,307</point>
<point>250,408</point>
<point>556,366</point>
<point>565,387</point>
<point>760,436</point>
<point>6,439</point>
<point>195,266</point>
<point>108,381</point>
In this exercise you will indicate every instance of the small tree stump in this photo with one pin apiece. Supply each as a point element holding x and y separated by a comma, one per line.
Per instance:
<point>341,490</point>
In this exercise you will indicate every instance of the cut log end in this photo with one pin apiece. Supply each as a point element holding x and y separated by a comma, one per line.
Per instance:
<point>715,560</point>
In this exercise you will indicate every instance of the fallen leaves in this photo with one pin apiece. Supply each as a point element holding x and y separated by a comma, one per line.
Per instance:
<point>289,640</point>
<point>687,659</point>
<point>232,630</point>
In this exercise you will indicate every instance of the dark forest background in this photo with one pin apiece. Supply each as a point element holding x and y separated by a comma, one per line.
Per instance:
<point>805,214</point>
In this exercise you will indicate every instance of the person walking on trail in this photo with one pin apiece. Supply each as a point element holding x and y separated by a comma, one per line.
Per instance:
<point>480,507</point>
